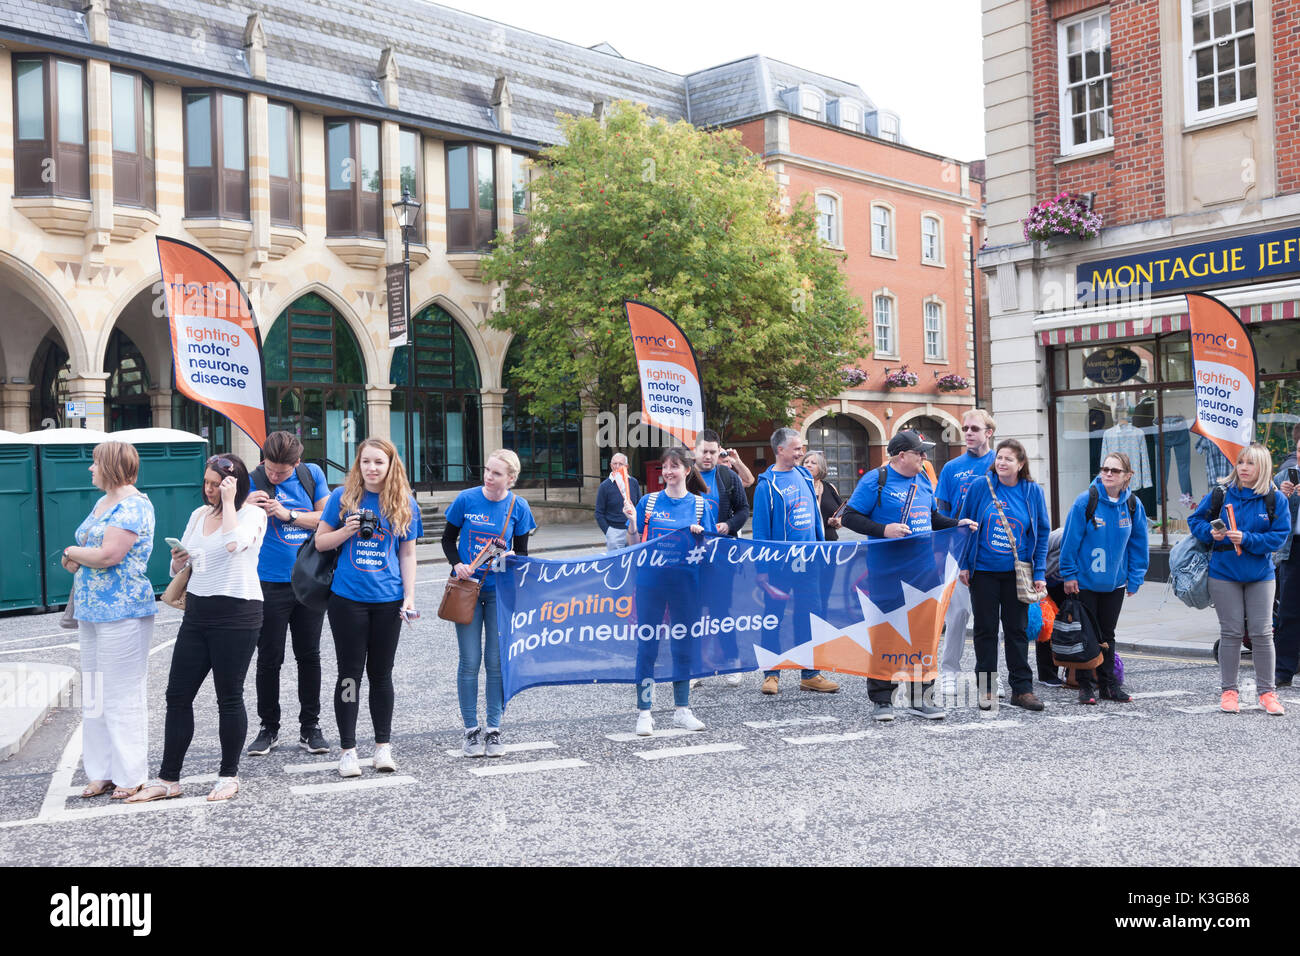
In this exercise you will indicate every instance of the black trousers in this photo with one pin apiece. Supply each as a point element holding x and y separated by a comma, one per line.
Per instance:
<point>365,639</point>
<point>282,611</point>
<point>882,691</point>
<point>226,652</point>
<point>1105,607</point>
<point>993,598</point>
<point>1286,635</point>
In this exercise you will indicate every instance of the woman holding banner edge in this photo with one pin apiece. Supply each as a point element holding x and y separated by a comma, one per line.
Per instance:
<point>477,519</point>
<point>674,587</point>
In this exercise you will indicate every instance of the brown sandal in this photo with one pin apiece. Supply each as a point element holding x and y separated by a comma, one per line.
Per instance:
<point>96,788</point>
<point>122,793</point>
<point>155,791</point>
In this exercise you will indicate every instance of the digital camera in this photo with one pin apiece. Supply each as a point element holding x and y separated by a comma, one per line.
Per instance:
<point>369,522</point>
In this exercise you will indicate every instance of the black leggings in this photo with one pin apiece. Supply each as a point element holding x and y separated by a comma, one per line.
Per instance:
<point>200,648</point>
<point>1105,607</point>
<point>365,640</point>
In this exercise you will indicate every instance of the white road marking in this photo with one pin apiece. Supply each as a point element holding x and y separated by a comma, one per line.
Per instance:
<point>689,751</point>
<point>1080,718</point>
<point>1152,694</point>
<point>974,725</point>
<point>46,647</point>
<point>515,748</point>
<point>61,782</point>
<point>629,738</point>
<point>536,766</point>
<point>318,765</point>
<point>164,644</point>
<point>1211,708</point>
<point>827,738</point>
<point>789,722</point>
<point>348,786</point>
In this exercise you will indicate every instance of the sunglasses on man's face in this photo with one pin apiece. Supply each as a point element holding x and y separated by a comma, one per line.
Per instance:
<point>972,428</point>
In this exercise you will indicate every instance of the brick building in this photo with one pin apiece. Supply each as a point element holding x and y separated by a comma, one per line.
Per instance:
<point>1178,119</point>
<point>279,139</point>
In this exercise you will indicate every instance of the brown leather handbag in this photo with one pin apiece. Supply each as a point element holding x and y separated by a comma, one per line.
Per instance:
<point>460,597</point>
<point>175,593</point>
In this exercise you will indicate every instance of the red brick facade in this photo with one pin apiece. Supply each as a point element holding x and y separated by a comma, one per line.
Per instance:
<point>1130,179</point>
<point>1286,93</point>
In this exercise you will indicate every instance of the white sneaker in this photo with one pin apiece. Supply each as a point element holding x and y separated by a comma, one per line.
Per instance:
<point>384,758</point>
<point>683,718</point>
<point>947,685</point>
<point>349,765</point>
<point>645,724</point>
<point>733,680</point>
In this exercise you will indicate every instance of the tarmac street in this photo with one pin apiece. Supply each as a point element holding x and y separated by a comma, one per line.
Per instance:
<point>799,778</point>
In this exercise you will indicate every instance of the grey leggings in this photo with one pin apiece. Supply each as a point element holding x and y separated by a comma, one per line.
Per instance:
<point>1245,610</point>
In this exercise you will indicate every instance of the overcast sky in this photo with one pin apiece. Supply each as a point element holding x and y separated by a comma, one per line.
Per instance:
<point>919,58</point>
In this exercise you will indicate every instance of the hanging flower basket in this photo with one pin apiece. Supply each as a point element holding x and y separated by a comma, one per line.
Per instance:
<point>901,378</point>
<point>952,382</point>
<point>1066,216</point>
<point>852,377</point>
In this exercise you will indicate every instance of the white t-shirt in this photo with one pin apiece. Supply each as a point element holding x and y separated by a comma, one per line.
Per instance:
<point>217,570</point>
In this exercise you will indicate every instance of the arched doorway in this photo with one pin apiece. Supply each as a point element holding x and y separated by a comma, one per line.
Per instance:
<point>315,383</point>
<point>438,384</point>
<point>50,371</point>
<point>938,432</point>
<point>844,443</point>
<point>550,447</point>
<point>128,385</point>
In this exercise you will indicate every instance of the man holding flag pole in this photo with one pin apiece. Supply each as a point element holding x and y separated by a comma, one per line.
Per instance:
<point>618,489</point>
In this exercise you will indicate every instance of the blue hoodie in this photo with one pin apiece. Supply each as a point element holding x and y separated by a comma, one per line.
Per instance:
<point>1259,539</point>
<point>1026,510</point>
<point>785,506</point>
<point>1110,554</point>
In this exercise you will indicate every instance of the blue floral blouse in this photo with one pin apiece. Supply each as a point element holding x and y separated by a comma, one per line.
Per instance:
<point>123,591</point>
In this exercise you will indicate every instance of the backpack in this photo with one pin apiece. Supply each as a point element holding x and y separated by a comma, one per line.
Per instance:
<point>1074,635</point>
<point>1089,516</point>
<point>259,480</point>
<point>650,508</point>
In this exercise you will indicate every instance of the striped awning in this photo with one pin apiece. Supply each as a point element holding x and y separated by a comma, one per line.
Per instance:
<point>1156,325</point>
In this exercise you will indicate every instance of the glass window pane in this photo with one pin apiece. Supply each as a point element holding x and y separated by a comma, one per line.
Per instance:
<point>124,112</point>
<point>1245,15</point>
<point>1073,44</point>
<point>31,99</point>
<point>1205,95</point>
<point>1200,29</point>
<point>1096,127</point>
<point>277,129</point>
<point>198,130</point>
<point>1074,68</point>
<point>1078,100</point>
<point>487,193</point>
<point>72,114</point>
<point>232,131</point>
<point>1226,56</point>
<point>1105,60</point>
<point>1096,95</point>
<point>1222,21</point>
<point>1205,62</point>
<point>148,118</point>
<point>1091,63</point>
<point>410,161</point>
<point>519,185</point>
<point>1227,89</point>
<point>1246,50</point>
<point>1248,83</point>
<point>458,177</point>
<point>369,157</point>
<point>338,155</point>
<point>1079,128</point>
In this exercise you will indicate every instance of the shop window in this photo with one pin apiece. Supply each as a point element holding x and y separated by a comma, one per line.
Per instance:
<point>471,198</point>
<point>353,187</point>
<point>133,157</point>
<point>51,157</point>
<point>216,155</point>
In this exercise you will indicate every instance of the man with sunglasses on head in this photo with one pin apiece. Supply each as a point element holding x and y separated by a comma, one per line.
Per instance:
<point>293,495</point>
<point>977,427</point>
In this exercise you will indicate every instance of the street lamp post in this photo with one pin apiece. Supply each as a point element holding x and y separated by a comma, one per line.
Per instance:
<point>406,209</point>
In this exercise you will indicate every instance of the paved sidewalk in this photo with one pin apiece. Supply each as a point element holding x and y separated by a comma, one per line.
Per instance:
<point>28,692</point>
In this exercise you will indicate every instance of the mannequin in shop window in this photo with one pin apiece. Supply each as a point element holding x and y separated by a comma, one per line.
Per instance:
<point>1176,444</point>
<point>1126,437</point>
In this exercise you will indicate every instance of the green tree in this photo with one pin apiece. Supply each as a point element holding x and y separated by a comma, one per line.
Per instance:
<point>689,222</point>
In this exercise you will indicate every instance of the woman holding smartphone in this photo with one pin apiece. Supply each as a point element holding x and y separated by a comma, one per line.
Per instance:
<point>374,519</point>
<point>492,515</point>
<point>1243,536</point>
<point>223,616</point>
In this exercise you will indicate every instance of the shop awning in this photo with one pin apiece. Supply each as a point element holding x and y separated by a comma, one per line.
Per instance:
<point>1159,324</point>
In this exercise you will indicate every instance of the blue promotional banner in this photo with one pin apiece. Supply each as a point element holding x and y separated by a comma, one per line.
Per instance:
<point>685,605</point>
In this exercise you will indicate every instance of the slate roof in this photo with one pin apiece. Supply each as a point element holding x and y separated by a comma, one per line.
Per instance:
<point>448,61</point>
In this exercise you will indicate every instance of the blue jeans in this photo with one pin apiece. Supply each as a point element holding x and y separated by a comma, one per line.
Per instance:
<point>804,602</point>
<point>1178,444</point>
<point>478,648</point>
<point>679,596</point>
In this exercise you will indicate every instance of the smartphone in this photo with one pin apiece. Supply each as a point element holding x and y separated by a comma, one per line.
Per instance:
<point>410,615</point>
<point>174,544</point>
<point>1218,525</point>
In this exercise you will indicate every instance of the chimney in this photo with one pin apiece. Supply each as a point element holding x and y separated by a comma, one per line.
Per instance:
<point>501,103</point>
<point>255,47</point>
<point>387,76</point>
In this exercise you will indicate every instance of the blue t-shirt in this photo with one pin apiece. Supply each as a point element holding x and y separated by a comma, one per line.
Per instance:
<point>955,479</point>
<point>793,496</point>
<point>711,479</point>
<point>1025,509</point>
<point>124,590</point>
<point>892,498</point>
<point>481,520</point>
<point>282,541</point>
<point>368,571</point>
<point>671,514</point>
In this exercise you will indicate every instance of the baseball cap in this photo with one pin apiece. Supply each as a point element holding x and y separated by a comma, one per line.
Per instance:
<point>909,441</point>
